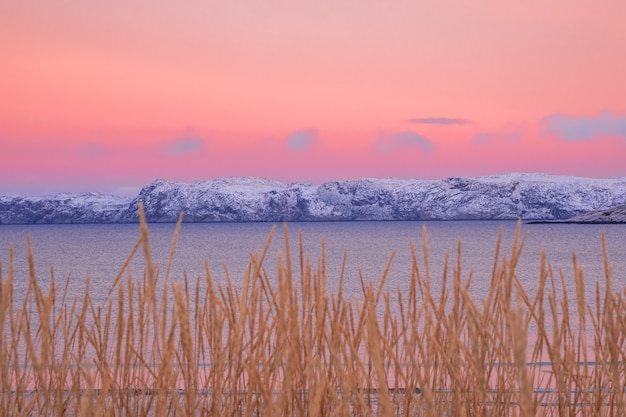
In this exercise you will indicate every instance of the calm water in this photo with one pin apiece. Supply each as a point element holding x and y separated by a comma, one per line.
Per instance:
<point>98,251</point>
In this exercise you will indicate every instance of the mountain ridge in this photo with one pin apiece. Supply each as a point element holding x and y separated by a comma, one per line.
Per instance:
<point>531,196</point>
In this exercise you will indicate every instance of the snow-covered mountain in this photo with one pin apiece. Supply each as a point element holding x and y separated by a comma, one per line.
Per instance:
<point>62,208</point>
<point>511,196</point>
<point>611,215</point>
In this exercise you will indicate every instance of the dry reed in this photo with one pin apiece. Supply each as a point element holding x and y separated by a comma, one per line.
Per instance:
<point>284,345</point>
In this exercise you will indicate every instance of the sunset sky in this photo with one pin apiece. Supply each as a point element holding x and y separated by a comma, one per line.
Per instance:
<point>110,95</point>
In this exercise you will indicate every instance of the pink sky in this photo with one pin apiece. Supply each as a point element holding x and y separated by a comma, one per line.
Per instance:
<point>110,95</point>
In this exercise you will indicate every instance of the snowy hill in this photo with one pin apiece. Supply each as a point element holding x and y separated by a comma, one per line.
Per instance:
<point>611,215</point>
<point>511,196</point>
<point>62,208</point>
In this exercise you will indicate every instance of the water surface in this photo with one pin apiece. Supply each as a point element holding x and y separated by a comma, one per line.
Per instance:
<point>99,251</point>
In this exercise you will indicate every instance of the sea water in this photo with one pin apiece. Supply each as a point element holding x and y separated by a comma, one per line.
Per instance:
<point>79,254</point>
<point>97,252</point>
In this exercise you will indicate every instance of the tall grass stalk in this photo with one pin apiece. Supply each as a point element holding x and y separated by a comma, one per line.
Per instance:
<point>285,345</point>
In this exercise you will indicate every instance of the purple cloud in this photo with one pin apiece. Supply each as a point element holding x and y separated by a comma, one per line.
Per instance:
<point>403,140</point>
<point>439,121</point>
<point>184,146</point>
<point>301,140</point>
<point>90,150</point>
<point>585,128</point>
<point>497,136</point>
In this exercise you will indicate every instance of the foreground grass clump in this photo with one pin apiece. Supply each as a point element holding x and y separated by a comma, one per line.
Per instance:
<point>284,345</point>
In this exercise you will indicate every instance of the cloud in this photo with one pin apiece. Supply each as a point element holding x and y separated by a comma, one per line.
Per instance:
<point>90,150</point>
<point>585,128</point>
<point>403,140</point>
<point>439,121</point>
<point>184,146</point>
<point>497,136</point>
<point>301,140</point>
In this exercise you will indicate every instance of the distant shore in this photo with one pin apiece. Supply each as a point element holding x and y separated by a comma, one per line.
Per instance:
<point>531,197</point>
